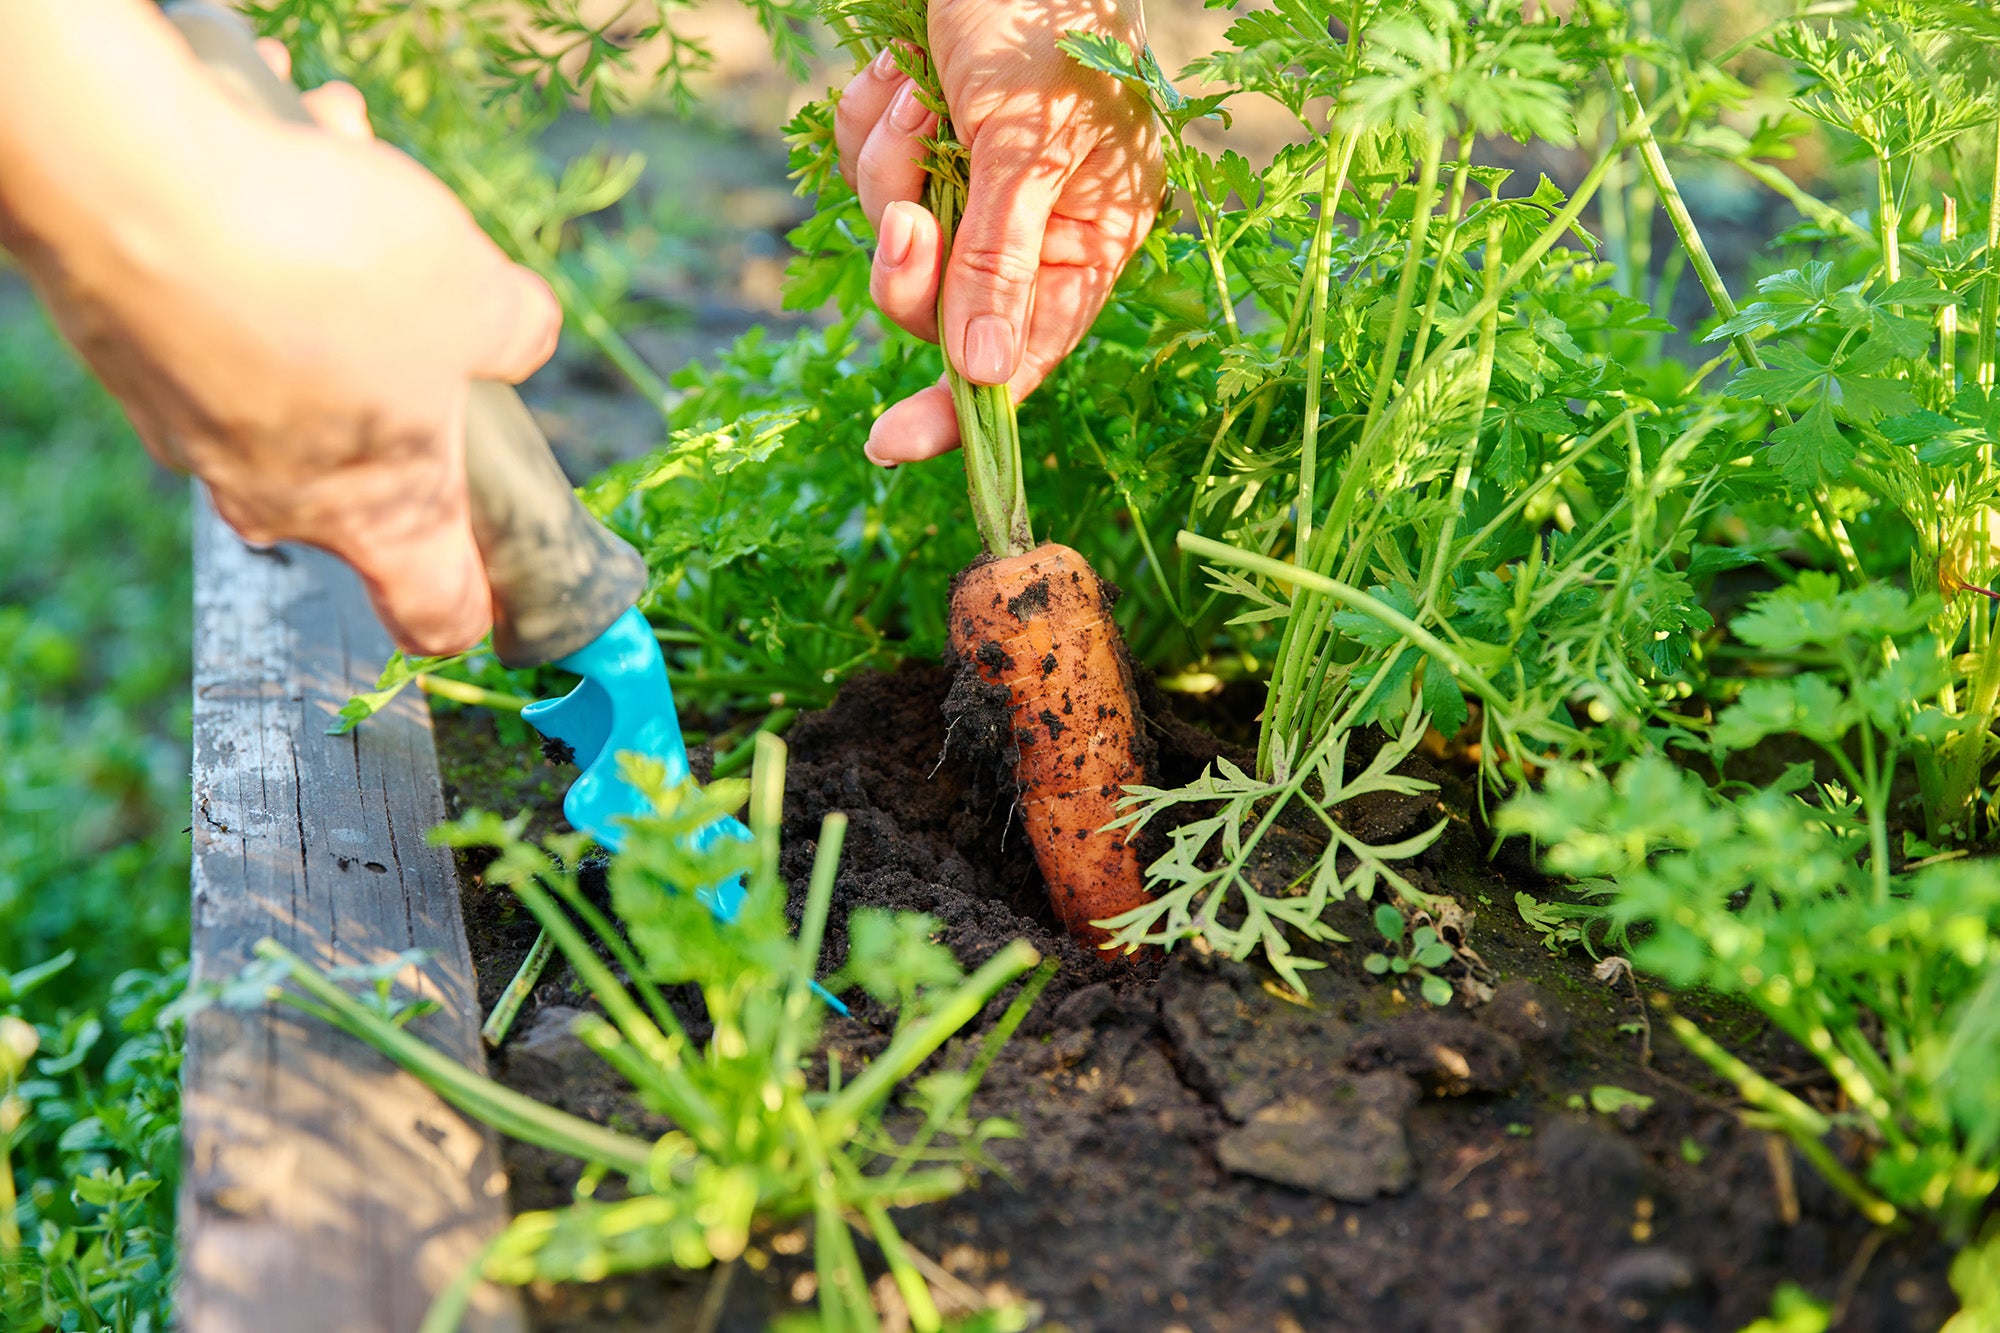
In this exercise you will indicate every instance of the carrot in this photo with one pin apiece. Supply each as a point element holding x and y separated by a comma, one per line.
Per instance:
<point>1039,625</point>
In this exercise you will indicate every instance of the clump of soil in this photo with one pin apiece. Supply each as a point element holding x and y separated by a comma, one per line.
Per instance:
<point>1198,1151</point>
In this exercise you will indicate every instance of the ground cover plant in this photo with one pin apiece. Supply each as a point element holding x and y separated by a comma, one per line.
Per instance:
<point>93,760</point>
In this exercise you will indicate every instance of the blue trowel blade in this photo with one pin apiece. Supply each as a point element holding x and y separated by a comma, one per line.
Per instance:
<point>624,702</point>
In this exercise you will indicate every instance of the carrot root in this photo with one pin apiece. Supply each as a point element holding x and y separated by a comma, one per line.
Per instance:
<point>1039,625</point>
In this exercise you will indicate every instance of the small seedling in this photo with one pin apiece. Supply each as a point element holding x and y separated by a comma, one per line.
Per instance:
<point>1609,1099</point>
<point>1422,952</point>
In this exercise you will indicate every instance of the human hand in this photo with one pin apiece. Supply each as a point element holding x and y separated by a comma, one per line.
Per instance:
<point>1065,183</point>
<point>295,315</point>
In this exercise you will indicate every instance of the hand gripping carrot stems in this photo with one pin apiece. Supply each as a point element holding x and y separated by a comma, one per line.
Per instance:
<point>1032,620</point>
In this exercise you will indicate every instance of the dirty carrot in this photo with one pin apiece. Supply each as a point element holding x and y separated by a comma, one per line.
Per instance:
<point>1039,625</point>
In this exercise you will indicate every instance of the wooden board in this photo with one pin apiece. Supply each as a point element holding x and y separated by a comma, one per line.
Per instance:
<point>325,1190</point>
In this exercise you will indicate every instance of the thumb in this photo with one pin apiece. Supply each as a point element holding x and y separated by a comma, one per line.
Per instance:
<point>989,285</point>
<point>517,322</point>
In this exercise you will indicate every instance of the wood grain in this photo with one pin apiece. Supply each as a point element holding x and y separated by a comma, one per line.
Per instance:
<point>325,1190</point>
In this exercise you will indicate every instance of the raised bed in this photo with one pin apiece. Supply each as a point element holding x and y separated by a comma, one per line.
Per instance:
<point>324,1189</point>
<point>1199,1153</point>
<point>1196,1152</point>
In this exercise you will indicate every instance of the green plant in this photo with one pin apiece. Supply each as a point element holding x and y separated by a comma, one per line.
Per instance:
<point>1880,410</point>
<point>1213,883</point>
<point>87,1242</point>
<point>1570,925</point>
<point>1410,953</point>
<point>1892,982</point>
<point>752,1139</point>
<point>1793,1310</point>
<point>1380,422</point>
<point>94,616</point>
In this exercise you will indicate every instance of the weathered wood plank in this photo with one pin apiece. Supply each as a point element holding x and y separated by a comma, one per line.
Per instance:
<point>325,1190</point>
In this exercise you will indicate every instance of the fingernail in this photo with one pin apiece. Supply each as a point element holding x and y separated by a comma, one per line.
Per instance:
<point>989,350</point>
<point>906,113</point>
<point>897,233</point>
<point>868,450</point>
<point>884,64</point>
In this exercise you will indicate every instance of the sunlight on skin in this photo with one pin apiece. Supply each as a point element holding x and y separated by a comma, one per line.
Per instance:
<point>1066,181</point>
<point>293,313</point>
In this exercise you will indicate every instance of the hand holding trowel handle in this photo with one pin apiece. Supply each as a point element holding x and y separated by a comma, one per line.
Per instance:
<point>563,586</point>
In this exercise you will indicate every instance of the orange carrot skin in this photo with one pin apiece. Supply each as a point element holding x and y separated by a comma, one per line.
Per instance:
<point>1040,626</point>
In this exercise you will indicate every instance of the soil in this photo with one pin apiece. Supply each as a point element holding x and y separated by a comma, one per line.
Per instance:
<point>1199,1152</point>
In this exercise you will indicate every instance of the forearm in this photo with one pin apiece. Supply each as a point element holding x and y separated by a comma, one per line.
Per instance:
<point>103,118</point>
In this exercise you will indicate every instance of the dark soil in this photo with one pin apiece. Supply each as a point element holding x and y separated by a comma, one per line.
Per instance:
<point>1199,1152</point>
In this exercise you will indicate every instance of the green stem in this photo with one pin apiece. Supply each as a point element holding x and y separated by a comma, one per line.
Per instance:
<point>912,1046</point>
<point>1551,477</point>
<point>685,1101</point>
<point>1206,227</point>
<point>843,1287</point>
<point>1639,125</point>
<point>975,1073</point>
<point>1302,648</point>
<point>1989,309</point>
<point>1320,275</point>
<point>812,931</point>
<point>1889,220</point>
<point>517,1116</point>
<point>464,692</point>
<point>1454,210</point>
<point>1948,312</point>
<point>988,428</point>
<point>774,723</point>
<point>1406,285</point>
<point>1799,1122</point>
<point>621,952</point>
<point>924,1317</point>
<point>1457,332</point>
<point>1968,751</point>
<point>767,805</point>
<point>10,1227</point>
<point>1382,613</point>
<point>508,1007</point>
<point>1489,338</point>
<point>1318,255</point>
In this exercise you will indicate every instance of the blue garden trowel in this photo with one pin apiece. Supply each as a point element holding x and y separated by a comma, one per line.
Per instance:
<point>564,586</point>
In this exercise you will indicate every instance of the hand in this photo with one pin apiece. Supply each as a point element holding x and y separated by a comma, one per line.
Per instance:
<point>1066,180</point>
<point>295,315</point>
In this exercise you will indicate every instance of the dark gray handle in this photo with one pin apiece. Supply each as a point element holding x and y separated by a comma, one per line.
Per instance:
<point>559,577</point>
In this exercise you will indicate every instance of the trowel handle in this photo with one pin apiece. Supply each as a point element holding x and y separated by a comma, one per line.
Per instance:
<point>559,577</point>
